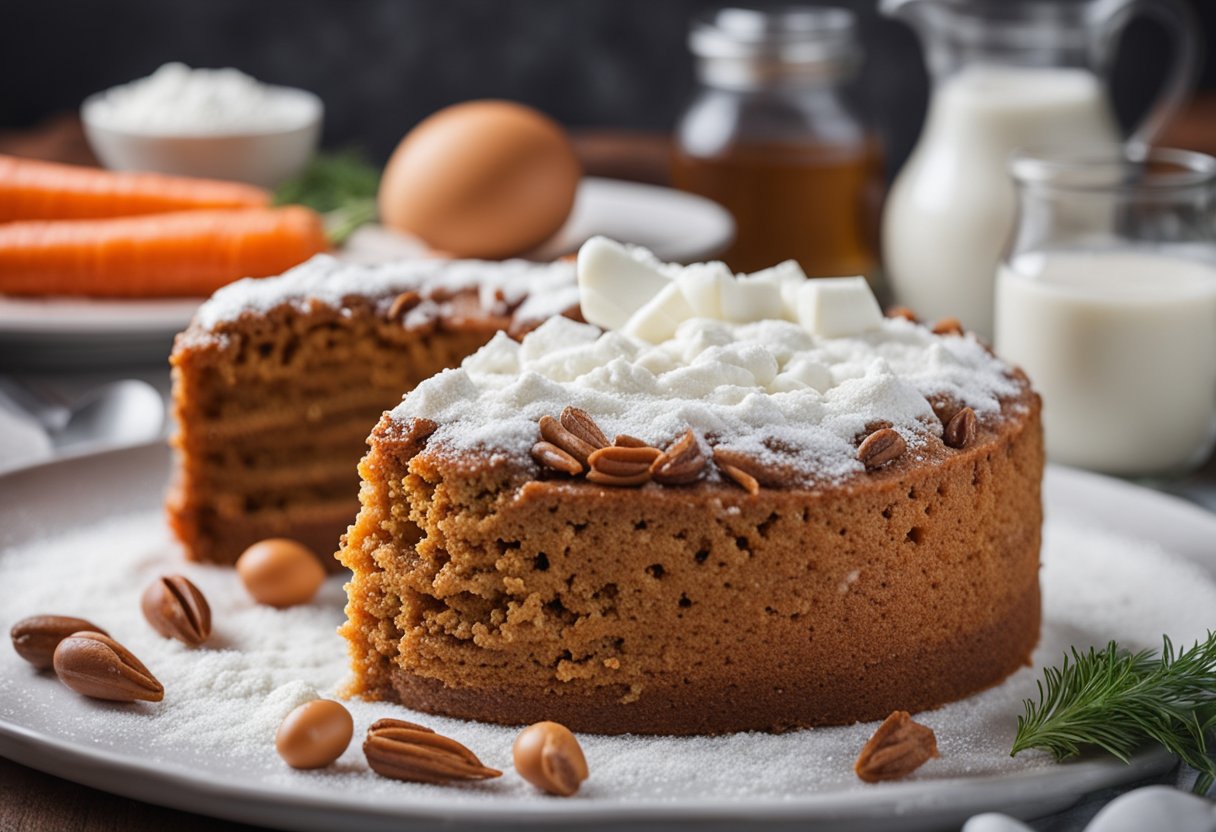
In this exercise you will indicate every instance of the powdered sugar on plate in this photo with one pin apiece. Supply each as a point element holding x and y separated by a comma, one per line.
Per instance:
<point>769,388</point>
<point>224,701</point>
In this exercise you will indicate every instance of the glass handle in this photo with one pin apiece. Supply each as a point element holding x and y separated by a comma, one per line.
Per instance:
<point>1111,16</point>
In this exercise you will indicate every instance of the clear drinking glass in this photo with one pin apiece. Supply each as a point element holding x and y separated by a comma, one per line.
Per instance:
<point>1106,297</point>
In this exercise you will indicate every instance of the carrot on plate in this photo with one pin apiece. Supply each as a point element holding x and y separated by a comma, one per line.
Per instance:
<point>31,189</point>
<point>180,254</point>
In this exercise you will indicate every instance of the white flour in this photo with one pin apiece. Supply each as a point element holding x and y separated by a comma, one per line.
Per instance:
<point>224,701</point>
<point>176,99</point>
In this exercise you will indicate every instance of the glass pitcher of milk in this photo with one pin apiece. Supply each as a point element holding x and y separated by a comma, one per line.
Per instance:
<point>1107,299</point>
<point>1006,74</point>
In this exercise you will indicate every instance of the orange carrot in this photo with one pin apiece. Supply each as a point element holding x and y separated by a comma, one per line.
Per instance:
<point>181,254</point>
<point>35,190</point>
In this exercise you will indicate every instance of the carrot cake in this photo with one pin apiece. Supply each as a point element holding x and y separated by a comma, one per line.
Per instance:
<point>726,503</point>
<point>277,382</point>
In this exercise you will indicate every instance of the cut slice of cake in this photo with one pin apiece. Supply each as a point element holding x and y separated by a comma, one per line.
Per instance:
<point>750,503</point>
<point>277,382</point>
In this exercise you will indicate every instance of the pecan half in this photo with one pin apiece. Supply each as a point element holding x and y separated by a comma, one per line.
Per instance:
<point>623,462</point>
<point>898,748</point>
<point>621,466</point>
<point>580,423</point>
<point>948,326</point>
<point>177,609</point>
<point>35,638</point>
<point>403,303</point>
<point>405,751</point>
<point>555,433</point>
<point>960,430</point>
<point>741,477</point>
<point>624,440</point>
<point>550,456</point>
<point>880,447</point>
<point>682,463</point>
<point>903,312</point>
<point>97,666</point>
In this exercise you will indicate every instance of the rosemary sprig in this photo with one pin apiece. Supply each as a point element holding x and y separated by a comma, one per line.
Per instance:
<point>1120,701</point>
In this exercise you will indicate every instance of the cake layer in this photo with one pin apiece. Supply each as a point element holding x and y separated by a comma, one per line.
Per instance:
<point>694,609</point>
<point>278,381</point>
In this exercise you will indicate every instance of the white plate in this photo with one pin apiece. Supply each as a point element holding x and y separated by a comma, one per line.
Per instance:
<point>77,331</point>
<point>44,726</point>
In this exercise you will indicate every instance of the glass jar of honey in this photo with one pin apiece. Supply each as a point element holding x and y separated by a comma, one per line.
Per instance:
<point>773,136</point>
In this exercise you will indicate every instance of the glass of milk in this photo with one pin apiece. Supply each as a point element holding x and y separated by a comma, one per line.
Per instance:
<point>1106,297</point>
<point>1005,75</point>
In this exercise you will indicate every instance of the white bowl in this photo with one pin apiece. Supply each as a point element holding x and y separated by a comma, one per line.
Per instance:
<point>265,157</point>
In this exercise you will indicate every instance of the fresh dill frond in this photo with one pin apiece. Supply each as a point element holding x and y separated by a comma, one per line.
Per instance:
<point>341,186</point>
<point>1121,701</point>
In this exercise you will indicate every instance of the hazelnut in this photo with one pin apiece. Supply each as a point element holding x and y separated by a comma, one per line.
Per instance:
<point>280,572</point>
<point>548,756</point>
<point>314,734</point>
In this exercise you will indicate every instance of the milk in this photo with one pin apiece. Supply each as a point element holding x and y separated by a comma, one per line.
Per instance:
<point>951,210</point>
<point>1121,345</point>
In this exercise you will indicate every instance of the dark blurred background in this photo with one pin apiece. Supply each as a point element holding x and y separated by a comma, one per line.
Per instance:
<point>382,65</point>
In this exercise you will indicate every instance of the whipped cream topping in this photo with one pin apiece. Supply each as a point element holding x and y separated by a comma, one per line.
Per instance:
<point>534,291</point>
<point>767,388</point>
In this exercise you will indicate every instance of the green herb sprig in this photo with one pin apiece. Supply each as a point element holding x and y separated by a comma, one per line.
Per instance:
<point>341,186</point>
<point>1121,701</point>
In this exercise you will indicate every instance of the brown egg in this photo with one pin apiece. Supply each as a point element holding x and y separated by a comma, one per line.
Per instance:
<point>314,734</point>
<point>280,572</point>
<point>486,179</point>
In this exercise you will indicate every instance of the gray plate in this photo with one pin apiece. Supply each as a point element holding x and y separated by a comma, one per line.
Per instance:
<point>70,495</point>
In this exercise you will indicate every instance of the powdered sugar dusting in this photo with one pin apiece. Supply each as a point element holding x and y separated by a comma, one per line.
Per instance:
<point>767,388</point>
<point>224,701</point>
<point>535,291</point>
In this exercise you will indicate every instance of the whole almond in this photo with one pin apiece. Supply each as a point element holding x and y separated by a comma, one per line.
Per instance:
<point>880,447</point>
<point>680,464</point>
<point>407,751</point>
<point>549,757</point>
<point>554,432</point>
<point>177,609</point>
<point>898,748</point>
<point>580,423</point>
<point>903,312</point>
<point>97,666</point>
<point>553,457</point>
<point>624,440</point>
<point>960,430</point>
<point>36,637</point>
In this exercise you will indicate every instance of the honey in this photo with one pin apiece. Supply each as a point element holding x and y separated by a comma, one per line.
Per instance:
<point>814,203</point>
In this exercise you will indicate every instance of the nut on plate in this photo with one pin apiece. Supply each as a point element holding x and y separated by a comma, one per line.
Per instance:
<point>280,573</point>
<point>314,734</point>
<point>898,748</point>
<point>97,666</point>
<point>406,751</point>
<point>36,637</point>
<point>176,608</point>
<point>549,757</point>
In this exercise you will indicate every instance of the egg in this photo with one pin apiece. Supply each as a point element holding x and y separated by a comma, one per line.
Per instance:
<point>483,179</point>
